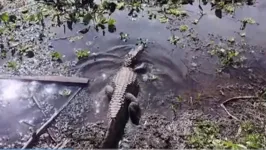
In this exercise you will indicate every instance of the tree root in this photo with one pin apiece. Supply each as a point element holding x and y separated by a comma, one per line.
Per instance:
<point>233,99</point>
<point>44,127</point>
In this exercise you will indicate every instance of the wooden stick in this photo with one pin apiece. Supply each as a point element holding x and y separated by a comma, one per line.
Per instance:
<point>38,104</point>
<point>62,79</point>
<point>235,98</point>
<point>42,129</point>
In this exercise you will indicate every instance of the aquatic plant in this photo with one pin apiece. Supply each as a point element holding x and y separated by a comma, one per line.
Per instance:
<point>124,36</point>
<point>56,56</point>
<point>163,19</point>
<point>183,28</point>
<point>82,54</point>
<point>12,64</point>
<point>173,39</point>
<point>248,20</point>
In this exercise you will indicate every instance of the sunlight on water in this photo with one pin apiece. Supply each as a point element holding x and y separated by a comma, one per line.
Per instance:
<point>33,86</point>
<point>97,106</point>
<point>11,89</point>
<point>50,89</point>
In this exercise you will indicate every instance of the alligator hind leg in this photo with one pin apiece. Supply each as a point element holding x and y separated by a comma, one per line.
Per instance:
<point>109,90</point>
<point>133,109</point>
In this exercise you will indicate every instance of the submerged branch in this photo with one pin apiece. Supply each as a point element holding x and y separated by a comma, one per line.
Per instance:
<point>43,128</point>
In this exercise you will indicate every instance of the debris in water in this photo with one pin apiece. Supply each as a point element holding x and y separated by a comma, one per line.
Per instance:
<point>82,54</point>
<point>65,92</point>
<point>243,34</point>
<point>196,21</point>
<point>163,19</point>
<point>75,38</point>
<point>231,40</point>
<point>183,28</point>
<point>124,36</point>
<point>173,39</point>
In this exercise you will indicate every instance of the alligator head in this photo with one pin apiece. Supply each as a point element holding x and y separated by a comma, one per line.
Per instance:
<point>132,55</point>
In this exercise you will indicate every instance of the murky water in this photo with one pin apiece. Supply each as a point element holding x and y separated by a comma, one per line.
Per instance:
<point>165,59</point>
<point>24,105</point>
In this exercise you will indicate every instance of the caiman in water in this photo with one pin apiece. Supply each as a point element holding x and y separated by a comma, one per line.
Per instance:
<point>122,93</point>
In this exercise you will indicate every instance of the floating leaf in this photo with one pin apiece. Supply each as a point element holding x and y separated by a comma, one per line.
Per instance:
<point>4,17</point>
<point>56,56</point>
<point>82,54</point>
<point>65,92</point>
<point>248,20</point>
<point>111,22</point>
<point>183,28</point>
<point>12,64</point>
<point>120,6</point>
<point>174,39</point>
<point>87,18</point>
<point>176,12</point>
<point>163,19</point>
<point>229,8</point>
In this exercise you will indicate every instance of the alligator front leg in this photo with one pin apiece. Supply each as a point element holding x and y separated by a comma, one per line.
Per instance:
<point>133,109</point>
<point>109,90</point>
<point>141,68</point>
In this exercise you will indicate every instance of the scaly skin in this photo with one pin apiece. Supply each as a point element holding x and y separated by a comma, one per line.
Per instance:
<point>122,93</point>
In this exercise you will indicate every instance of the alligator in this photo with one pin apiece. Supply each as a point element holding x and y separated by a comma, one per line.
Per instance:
<point>123,104</point>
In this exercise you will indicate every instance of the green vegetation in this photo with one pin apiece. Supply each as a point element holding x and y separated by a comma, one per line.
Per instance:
<point>56,56</point>
<point>248,20</point>
<point>12,65</point>
<point>81,54</point>
<point>173,39</point>
<point>207,134</point>
<point>228,57</point>
<point>183,28</point>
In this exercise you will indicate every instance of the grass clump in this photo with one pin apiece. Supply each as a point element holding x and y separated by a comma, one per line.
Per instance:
<point>204,134</point>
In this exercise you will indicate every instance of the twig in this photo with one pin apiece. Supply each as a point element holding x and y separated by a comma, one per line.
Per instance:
<point>62,79</point>
<point>62,144</point>
<point>28,124</point>
<point>38,104</point>
<point>42,129</point>
<point>235,98</point>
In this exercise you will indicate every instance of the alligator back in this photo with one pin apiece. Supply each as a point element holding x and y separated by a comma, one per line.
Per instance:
<point>124,81</point>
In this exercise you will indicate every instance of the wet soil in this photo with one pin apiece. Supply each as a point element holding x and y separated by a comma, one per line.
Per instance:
<point>189,89</point>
